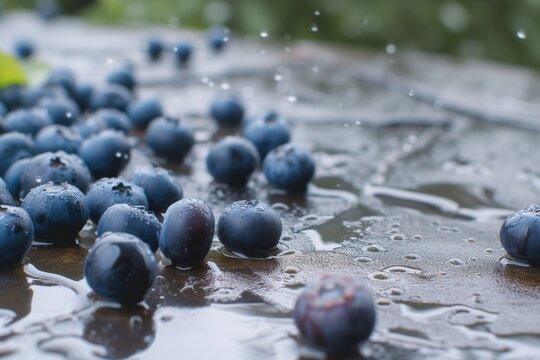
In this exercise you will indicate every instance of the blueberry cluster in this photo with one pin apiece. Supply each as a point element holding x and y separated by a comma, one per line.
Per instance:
<point>64,153</point>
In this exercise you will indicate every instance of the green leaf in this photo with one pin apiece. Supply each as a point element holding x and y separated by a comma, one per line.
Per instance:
<point>11,72</point>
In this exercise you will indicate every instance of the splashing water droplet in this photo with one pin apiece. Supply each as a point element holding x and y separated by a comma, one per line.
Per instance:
<point>264,34</point>
<point>291,98</point>
<point>317,13</point>
<point>314,28</point>
<point>521,34</point>
<point>391,49</point>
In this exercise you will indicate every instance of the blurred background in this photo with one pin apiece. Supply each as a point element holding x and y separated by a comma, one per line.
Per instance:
<point>499,30</point>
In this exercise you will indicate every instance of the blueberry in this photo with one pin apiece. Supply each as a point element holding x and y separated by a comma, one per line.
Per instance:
<point>227,111</point>
<point>57,166</point>
<point>111,119</point>
<point>335,314</point>
<point>232,161</point>
<point>160,187</point>
<point>13,177</point>
<point>169,138</point>
<point>142,112</point>
<point>520,234</point>
<point>289,167</point>
<point>65,79</point>
<point>106,154</point>
<point>24,49</point>
<point>83,95</point>
<point>110,191</point>
<point>182,53</point>
<point>187,232</point>
<point>90,126</point>
<point>16,235</point>
<point>120,267</point>
<point>11,97</point>
<point>134,220</point>
<point>249,226</point>
<point>122,77</point>
<point>218,38</point>
<point>3,110</point>
<point>30,97</point>
<point>58,210</point>
<point>13,147</point>
<point>154,49</point>
<point>5,194</point>
<point>58,138</point>
<point>27,121</point>
<point>61,111</point>
<point>267,132</point>
<point>110,97</point>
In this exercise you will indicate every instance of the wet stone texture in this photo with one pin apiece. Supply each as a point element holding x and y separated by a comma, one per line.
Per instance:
<point>419,157</point>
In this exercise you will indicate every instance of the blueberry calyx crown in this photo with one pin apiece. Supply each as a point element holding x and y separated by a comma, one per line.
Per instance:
<point>122,188</point>
<point>58,162</point>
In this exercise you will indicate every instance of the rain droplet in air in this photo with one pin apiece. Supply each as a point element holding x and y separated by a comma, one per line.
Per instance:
<point>264,34</point>
<point>391,49</point>
<point>521,34</point>
<point>314,28</point>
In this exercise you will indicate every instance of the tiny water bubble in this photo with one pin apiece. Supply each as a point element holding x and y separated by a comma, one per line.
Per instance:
<point>291,98</point>
<point>521,34</point>
<point>317,13</point>
<point>391,49</point>
<point>314,28</point>
<point>263,34</point>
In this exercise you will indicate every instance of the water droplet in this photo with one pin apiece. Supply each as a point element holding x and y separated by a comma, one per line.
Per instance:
<point>378,275</point>
<point>412,257</point>
<point>521,34</point>
<point>291,98</point>
<point>398,237</point>
<point>225,86</point>
<point>314,28</point>
<point>374,248</point>
<point>264,34</point>
<point>456,261</point>
<point>362,259</point>
<point>317,13</point>
<point>391,49</point>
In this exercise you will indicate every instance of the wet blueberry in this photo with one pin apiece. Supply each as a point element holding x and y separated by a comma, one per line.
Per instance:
<point>182,53</point>
<point>520,234</point>
<point>16,235</point>
<point>83,95</point>
<point>170,138</point>
<point>12,177</point>
<point>110,119</point>
<point>61,111</point>
<point>154,49</point>
<point>227,111</point>
<point>249,226</point>
<point>110,191</point>
<point>63,78</point>
<point>58,138</point>
<point>267,132</point>
<point>335,314</point>
<point>58,210</point>
<point>13,147</point>
<point>90,126</point>
<point>218,38</point>
<point>289,167</point>
<point>187,231</point>
<point>160,187</point>
<point>120,267</point>
<point>31,97</point>
<point>11,96</point>
<point>3,110</point>
<point>232,161</point>
<point>142,112</point>
<point>5,194</point>
<point>110,97</point>
<point>57,166</point>
<point>106,154</point>
<point>122,77</point>
<point>27,121</point>
<point>24,49</point>
<point>134,220</point>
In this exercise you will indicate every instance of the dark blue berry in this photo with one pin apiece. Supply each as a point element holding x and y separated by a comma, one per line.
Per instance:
<point>110,191</point>
<point>289,167</point>
<point>83,95</point>
<point>57,166</point>
<point>232,161</point>
<point>227,111</point>
<point>154,49</point>
<point>16,235</point>
<point>58,210</point>
<point>110,119</point>
<point>134,220</point>
<point>520,234</point>
<point>11,97</point>
<point>58,138</point>
<point>120,267</point>
<point>110,97</point>
<point>13,147</point>
<point>170,138</point>
<point>160,187</point>
<point>335,314</point>
<point>89,127</point>
<point>27,121</point>
<point>106,154</point>
<point>65,79</point>
<point>31,97</point>
<point>24,49</point>
<point>61,111</point>
<point>187,232</point>
<point>249,226</point>
<point>267,132</point>
<point>5,195</point>
<point>122,77</point>
<point>218,37</point>
<point>141,113</point>
<point>13,175</point>
<point>182,53</point>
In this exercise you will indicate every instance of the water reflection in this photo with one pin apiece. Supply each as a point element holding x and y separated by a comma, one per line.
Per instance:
<point>16,292</point>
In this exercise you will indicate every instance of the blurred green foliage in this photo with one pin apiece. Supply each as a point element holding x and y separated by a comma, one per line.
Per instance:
<point>502,30</point>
